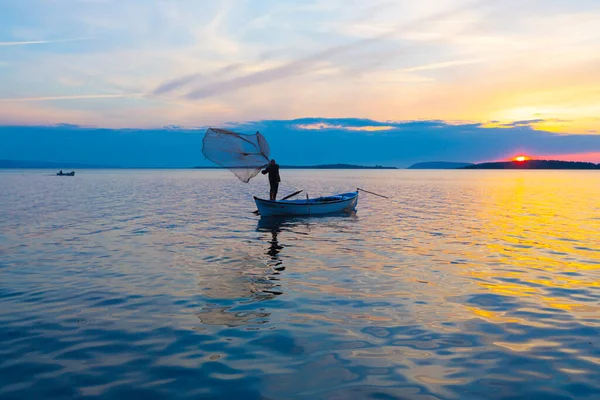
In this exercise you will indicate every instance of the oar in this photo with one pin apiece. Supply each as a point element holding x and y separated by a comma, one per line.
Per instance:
<point>292,195</point>
<point>285,198</point>
<point>366,191</point>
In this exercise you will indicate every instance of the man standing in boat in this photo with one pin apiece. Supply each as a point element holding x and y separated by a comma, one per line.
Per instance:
<point>274,179</point>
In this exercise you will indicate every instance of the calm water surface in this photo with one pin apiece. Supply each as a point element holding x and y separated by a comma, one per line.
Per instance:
<point>164,285</point>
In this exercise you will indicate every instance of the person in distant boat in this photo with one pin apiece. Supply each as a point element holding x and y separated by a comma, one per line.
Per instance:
<point>274,179</point>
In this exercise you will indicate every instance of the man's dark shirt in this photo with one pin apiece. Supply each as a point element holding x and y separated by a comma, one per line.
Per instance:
<point>273,171</point>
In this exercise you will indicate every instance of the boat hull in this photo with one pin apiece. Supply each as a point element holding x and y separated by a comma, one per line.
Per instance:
<point>340,203</point>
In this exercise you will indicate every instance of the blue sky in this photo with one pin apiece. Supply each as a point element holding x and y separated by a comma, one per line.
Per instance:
<point>146,64</point>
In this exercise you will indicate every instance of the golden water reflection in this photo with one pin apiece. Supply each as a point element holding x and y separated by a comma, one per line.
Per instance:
<point>541,236</point>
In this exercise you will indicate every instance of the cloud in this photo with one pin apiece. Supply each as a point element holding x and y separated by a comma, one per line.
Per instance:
<point>515,124</point>
<point>29,42</point>
<point>73,97</point>
<point>353,124</point>
<point>445,64</point>
<point>176,83</point>
<point>213,62</point>
<point>408,142</point>
<point>357,141</point>
<point>325,125</point>
<point>311,63</point>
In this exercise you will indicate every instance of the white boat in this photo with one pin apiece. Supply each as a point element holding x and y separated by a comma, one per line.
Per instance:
<point>338,203</point>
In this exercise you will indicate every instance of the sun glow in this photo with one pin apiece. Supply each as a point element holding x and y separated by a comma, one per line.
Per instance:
<point>521,158</point>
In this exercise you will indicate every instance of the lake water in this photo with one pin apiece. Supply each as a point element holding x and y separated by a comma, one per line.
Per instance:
<point>164,285</point>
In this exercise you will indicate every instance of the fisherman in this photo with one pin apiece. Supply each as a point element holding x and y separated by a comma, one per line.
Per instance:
<point>274,179</point>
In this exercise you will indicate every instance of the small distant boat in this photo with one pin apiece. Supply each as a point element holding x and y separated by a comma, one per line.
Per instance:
<point>60,173</point>
<point>338,203</point>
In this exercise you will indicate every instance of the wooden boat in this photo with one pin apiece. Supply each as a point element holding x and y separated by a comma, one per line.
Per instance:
<point>72,173</point>
<point>338,203</point>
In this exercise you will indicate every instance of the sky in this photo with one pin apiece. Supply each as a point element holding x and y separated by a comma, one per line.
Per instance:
<point>498,76</point>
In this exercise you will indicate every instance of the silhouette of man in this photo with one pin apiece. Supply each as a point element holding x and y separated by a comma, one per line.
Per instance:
<point>274,179</point>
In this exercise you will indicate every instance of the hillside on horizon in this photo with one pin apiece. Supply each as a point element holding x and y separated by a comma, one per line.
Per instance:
<point>439,165</point>
<point>320,166</point>
<point>534,164</point>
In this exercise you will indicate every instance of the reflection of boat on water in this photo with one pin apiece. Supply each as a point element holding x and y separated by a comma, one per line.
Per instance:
<point>338,203</point>
<point>60,173</point>
<point>289,222</point>
<point>274,224</point>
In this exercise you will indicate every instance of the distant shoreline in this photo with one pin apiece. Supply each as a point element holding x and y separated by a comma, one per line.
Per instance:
<point>439,165</point>
<point>324,166</point>
<point>26,164</point>
<point>522,165</point>
<point>536,164</point>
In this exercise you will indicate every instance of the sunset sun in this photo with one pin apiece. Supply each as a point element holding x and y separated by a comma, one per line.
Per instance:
<point>521,158</point>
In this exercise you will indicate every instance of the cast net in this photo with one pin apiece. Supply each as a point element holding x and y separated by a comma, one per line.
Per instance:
<point>244,155</point>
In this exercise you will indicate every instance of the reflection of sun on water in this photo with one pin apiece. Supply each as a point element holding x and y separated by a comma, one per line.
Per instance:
<point>534,234</point>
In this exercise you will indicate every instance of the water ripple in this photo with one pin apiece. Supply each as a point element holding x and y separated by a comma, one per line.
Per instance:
<point>162,284</point>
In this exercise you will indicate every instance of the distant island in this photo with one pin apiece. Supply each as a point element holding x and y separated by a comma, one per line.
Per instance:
<point>534,164</point>
<point>439,165</point>
<point>324,166</point>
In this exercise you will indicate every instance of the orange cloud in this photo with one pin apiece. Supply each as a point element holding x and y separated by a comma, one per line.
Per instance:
<point>322,125</point>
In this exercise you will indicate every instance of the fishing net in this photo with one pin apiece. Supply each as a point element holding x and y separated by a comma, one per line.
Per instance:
<point>244,155</point>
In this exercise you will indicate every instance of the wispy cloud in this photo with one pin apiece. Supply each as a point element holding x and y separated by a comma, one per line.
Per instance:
<point>446,64</point>
<point>29,42</point>
<point>174,84</point>
<point>312,62</point>
<point>73,97</point>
